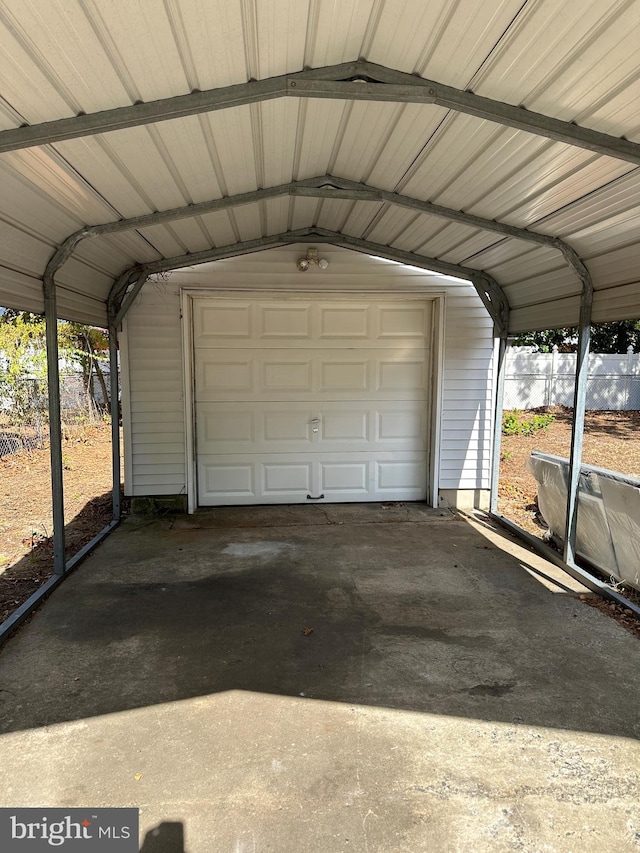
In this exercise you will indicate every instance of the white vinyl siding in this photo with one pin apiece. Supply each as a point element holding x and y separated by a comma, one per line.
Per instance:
<point>155,456</point>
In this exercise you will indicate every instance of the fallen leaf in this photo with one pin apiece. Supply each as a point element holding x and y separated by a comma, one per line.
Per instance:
<point>306,631</point>
<point>138,777</point>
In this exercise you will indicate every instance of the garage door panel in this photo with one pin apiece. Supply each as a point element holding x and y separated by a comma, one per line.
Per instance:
<point>345,426</point>
<point>337,477</point>
<point>291,321</point>
<point>285,378</point>
<point>401,375</point>
<point>228,375</point>
<point>287,425</point>
<point>286,477</point>
<point>227,479</point>
<point>310,399</point>
<point>301,427</point>
<point>403,322</point>
<point>322,324</point>
<point>340,477</point>
<point>344,322</point>
<point>344,374</point>
<point>403,474</point>
<point>272,375</point>
<point>215,322</point>
<point>220,427</point>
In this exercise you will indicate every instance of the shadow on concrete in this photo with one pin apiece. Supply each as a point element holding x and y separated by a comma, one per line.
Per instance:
<point>394,606</point>
<point>167,837</point>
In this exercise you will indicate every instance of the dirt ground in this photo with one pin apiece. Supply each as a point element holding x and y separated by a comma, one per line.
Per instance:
<point>611,440</point>
<point>25,508</point>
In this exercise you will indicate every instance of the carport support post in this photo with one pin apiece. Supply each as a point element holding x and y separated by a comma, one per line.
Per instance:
<point>55,426</point>
<point>577,427</point>
<point>501,361</point>
<point>114,394</point>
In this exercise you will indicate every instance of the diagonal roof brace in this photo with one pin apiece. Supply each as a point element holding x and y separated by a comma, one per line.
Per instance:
<point>487,287</point>
<point>348,81</point>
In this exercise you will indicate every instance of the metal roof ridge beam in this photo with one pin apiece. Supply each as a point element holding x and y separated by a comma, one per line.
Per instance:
<point>346,81</point>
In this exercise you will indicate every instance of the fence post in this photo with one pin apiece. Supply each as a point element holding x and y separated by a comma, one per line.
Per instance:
<point>552,375</point>
<point>629,382</point>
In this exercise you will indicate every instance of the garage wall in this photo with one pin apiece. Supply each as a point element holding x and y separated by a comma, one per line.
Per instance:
<point>151,343</point>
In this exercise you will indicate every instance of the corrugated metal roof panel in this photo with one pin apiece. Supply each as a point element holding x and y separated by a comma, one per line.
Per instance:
<point>359,218</point>
<point>618,266</point>
<point>541,288</point>
<point>620,195</point>
<point>503,173</point>
<point>278,126</point>
<point>220,226</point>
<point>540,260</point>
<point>414,127</point>
<point>319,130</point>
<point>20,291</point>
<point>54,177</point>
<point>69,56</point>
<point>164,240</point>
<point>22,251</point>
<point>80,308</point>
<point>555,314</point>
<point>445,40</point>
<point>404,228</point>
<point>276,212</point>
<point>272,48</point>
<point>568,56</point>
<point>613,232</point>
<point>249,221</point>
<point>367,129</point>
<point>303,212</point>
<point>616,302</point>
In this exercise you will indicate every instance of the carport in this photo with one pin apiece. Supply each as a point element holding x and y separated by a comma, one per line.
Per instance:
<point>496,143</point>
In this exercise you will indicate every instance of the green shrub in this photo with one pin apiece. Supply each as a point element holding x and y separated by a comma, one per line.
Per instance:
<point>518,423</point>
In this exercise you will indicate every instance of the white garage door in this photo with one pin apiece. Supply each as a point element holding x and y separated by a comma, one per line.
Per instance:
<point>303,400</point>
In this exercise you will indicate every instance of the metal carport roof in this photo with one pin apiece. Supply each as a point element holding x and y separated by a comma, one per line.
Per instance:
<point>499,141</point>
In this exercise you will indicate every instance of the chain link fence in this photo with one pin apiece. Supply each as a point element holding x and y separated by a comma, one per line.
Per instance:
<point>24,412</point>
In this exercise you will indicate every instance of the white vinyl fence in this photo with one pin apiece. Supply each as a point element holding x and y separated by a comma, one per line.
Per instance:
<point>540,379</point>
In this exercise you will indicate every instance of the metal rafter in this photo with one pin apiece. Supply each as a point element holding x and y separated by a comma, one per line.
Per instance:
<point>487,287</point>
<point>329,187</point>
<point>324,186</point>
<point>360,80</point>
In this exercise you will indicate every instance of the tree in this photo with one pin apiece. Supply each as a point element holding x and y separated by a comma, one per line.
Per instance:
<point>605,338</point>
<point>23,360</point>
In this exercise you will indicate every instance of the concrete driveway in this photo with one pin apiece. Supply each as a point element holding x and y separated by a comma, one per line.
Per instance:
<point>334,678</point>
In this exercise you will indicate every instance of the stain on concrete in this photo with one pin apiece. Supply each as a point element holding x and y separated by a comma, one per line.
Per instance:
<point>493,689</point>
<point>260,550</point>
<point>439,635</point>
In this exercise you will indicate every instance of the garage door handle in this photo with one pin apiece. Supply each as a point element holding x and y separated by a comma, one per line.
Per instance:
<point>311,498</point>
<point>314,421</point>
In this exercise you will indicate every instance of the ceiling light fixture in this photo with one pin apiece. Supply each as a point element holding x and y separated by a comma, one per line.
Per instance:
<point>311,257</point>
